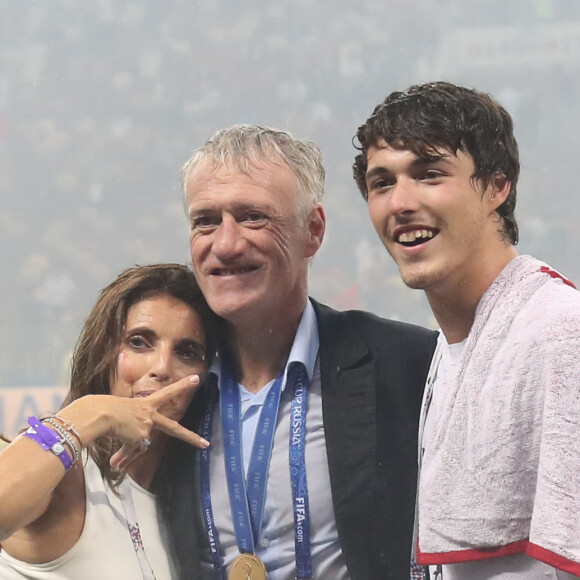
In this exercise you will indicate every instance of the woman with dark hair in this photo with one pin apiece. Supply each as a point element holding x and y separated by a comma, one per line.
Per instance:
<point>77,491</point>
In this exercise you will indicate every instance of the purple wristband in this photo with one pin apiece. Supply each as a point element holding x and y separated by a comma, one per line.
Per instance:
<point>48,440</point>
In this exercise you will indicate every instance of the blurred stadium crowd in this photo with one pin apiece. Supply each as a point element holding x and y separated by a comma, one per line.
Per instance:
<point>101,102</point>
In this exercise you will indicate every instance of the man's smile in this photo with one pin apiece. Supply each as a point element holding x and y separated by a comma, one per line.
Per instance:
<point>414,236</point>
<point>233,271</point>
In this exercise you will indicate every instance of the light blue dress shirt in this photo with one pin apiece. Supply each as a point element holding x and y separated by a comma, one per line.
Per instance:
<point>275,546</point>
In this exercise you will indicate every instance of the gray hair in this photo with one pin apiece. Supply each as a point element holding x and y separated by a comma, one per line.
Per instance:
<point>246,145</point>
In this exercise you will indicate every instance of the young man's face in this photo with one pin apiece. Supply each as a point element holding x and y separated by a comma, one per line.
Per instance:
<point>434,221</point>
<point>249,248</point>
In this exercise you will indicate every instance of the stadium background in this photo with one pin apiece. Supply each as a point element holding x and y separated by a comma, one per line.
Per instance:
<point>101,102</point>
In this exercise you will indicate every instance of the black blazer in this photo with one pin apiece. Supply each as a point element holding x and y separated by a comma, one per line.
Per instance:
<point>373,372</point>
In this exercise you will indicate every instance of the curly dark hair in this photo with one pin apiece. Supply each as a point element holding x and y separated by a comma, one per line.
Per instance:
<point>441,115</point>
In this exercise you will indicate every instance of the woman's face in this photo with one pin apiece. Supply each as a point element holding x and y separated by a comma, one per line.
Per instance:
<point>163,341</point>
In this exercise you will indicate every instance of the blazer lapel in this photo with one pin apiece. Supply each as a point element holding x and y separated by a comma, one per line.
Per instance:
<point>349,408</point>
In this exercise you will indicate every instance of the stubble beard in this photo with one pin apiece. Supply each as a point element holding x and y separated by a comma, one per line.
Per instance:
<point>421,277</point>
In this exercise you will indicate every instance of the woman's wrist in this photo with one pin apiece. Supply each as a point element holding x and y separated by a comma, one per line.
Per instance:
<point>85,418</point>
<point>66,437</point>
<point>49,440</point>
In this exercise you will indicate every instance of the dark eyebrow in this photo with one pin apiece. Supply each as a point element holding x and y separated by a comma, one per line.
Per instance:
<point>432,158</point>
<point>145,330</point>
<point>425,159</point>
<point>375,171</point>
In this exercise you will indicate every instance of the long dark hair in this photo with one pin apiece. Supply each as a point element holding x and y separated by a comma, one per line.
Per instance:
<point>95,355</point>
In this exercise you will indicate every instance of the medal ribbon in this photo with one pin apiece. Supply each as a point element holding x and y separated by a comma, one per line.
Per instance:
<point>261,455</point>
<point>297,460</point>
<point>208,519</point>
<point>247,502</point>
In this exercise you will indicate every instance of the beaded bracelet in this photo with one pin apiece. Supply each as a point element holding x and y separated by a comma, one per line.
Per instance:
<point>48,440</point>
<point>68,426</point>
<point>66,437</point>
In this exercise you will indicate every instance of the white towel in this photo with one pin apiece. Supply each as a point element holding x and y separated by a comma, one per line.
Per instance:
<point>501,471</point>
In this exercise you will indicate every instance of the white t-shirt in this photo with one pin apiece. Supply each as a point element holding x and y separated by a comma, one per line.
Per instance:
<point>104,550</point>
<point>512,567</point>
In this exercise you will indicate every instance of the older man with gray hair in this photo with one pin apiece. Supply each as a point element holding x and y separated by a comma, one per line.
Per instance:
<point>312,413</point>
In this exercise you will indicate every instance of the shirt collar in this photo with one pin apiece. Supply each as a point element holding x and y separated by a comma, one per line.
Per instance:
<point>304,348</point>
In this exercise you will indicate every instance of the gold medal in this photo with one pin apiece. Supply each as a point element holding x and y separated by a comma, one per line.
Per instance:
<point>248,567</point>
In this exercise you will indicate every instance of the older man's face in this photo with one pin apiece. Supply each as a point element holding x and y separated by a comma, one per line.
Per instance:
<point>249,249</point>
